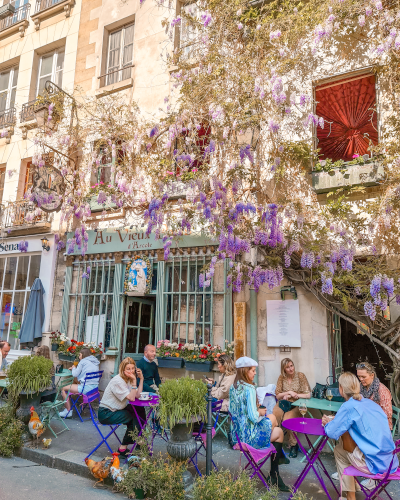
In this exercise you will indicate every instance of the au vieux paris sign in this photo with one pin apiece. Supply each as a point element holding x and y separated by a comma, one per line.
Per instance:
<point>125,240</point>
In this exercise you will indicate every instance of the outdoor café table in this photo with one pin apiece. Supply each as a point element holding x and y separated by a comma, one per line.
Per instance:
<point>143,422</point>
<point>64,373</point>
<point>312,427</point>
<point>322,405</point>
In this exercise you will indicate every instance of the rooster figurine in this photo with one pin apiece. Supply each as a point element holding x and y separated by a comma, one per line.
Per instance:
<point>36,427</point>
<point>100,470</point>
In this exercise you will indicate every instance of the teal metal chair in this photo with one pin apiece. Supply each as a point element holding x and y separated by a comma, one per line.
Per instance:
<point>396,421</point>
<point>50,409</point>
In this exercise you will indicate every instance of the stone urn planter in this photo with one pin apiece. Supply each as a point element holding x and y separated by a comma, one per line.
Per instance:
<point>26,401</point>
<point>182,445</point>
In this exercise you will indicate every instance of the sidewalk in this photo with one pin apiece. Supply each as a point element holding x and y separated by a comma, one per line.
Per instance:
<point>68,451</point>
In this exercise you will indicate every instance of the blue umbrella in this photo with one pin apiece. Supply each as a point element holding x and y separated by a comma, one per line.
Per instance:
<point>34,315</point>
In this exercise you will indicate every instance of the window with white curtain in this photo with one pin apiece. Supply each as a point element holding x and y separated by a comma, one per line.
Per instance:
<point>8,88</point>
<point>120,55</point>
<point>51,67</point>
<point>189,32</point>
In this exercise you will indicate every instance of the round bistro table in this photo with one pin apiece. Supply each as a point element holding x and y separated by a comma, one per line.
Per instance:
<point>310,427</point>
<point>143,403</point>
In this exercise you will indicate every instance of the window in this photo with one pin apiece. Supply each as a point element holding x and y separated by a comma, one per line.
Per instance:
<point>8,88</point>
<point>103,174</point>
<point>28,176</point>
<point>189,32</point>
<point>120,55</point>
<point>51,68</point>
<point>2,182</point>
<point>189,310</point>
<point>17,274</point>
<point>348,107</point>
<point>91,302</point>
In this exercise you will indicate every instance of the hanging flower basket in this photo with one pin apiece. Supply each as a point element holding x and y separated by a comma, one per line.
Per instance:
<point>170,362</point>
<point>199,366</point>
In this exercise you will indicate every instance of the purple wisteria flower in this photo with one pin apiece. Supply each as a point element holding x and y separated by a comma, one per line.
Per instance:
<point>327,286</point>
<point>370,310</point>
<point>23,246</point>
<point>86,275</point>
<point>101,198</point>
<point>273,126</point>
<point>375,286</point>
<point>206,19</point>
<point>388,285</point>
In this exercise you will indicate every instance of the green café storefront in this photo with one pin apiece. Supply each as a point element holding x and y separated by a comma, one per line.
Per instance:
<point>133,297</point>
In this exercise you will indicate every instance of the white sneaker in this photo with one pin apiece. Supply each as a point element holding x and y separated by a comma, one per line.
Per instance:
<point>335,476</point>
<point>368,484</point>
<point>66,413</point>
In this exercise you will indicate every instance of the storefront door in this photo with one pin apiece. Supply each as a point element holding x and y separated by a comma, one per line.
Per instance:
<point>139,326</point>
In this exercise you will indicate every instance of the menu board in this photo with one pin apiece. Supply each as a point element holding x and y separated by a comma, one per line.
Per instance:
<point>283,323</point>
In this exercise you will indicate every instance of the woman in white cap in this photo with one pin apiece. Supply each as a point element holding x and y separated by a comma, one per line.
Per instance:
<point>250,423</point>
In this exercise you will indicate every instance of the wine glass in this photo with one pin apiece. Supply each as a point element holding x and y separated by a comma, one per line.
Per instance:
<point>329,396</point>
<point>303,410</point>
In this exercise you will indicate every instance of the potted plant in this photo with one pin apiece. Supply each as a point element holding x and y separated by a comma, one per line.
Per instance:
<point>169,354</point>
<point>69,349</point>
<point>28,376</point>
<point>201,358</point>
<point>55,338</point>
<point>182,402</point>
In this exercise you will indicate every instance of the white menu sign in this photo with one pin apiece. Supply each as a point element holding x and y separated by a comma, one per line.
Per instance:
<point>283,323</point>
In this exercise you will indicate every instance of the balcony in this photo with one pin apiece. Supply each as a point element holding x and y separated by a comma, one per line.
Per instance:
<point>16,21</point>
<point>19,219</point>
<point>48,8</point>
<point>369,174</point>
<point>7,118</point>
<point>115,81</point>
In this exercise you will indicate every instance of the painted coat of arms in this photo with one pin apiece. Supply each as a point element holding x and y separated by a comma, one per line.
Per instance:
<point>138,276</point>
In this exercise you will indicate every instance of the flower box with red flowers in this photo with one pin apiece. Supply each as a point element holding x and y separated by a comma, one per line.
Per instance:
<point>69,349</point>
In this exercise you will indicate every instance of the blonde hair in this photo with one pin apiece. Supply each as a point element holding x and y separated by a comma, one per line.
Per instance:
<point>284,363</point>
<point>366,366</point>
<point>350,386</point>
<point>43,351</point>
<point>227,361</point>
<point>124,363</point>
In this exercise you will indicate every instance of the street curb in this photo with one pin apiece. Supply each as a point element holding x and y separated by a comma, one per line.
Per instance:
<point>58,462</point>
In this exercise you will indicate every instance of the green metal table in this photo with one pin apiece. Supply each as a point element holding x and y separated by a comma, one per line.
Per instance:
<point>322,405</point>
<point>3,385</point>
<point>64,373</point>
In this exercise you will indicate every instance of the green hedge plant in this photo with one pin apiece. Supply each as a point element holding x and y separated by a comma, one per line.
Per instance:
<point>181,398</point>
<point>10,431</point>
<point>29,374</point>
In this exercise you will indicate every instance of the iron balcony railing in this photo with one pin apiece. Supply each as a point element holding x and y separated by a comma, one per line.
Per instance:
<point>7,117</point>
<point>28,111</point>
<point>45,4</point>
<point>116,76</point>
<point>19,15</point>
<point>21,213</point>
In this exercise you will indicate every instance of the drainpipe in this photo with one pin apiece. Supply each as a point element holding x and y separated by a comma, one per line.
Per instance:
<point>253,327</point>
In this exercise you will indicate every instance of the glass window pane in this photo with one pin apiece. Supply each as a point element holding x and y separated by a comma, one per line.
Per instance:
<point>34,269</point>
<point>5,315</point>
<point>60,61</point>
<point>22,273</point>
<point>4,79</point>
<point>2,265</point>
<point>12,99</point>
<point>131,339</point>
<point>46,68</point>
<point>9,277</point>
<point>15,77</point>
<point>145,316</point>
<point>133,314</point>
<point>42,83</point>
<point>144,339</point>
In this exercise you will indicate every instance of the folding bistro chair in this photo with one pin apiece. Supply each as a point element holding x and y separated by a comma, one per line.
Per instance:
<point>88,398</point>
<point>396,421</point>
<point>51,409</point>
<point>381,480</point>
<point>201,437</point>
<point>255,458</point>
<point>221,418</point>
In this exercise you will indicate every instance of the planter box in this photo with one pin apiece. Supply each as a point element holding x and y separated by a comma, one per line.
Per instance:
<point>170,362</point>
<point>366,175</point>
<point>71,359</point>
<point>54,347</point>
<point>207,366</point>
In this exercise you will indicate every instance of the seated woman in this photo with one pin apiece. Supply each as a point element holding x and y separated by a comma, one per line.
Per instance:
<point>114,408</point>
<point>87,364</point>
<point>250,423</point>
<point>363,432</point>
<point>291,386</point>
<point>226,367</point>
<point>373,389</point>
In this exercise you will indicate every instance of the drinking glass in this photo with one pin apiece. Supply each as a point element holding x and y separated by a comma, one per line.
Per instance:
<point>329,396</point>
<point>303,410</point>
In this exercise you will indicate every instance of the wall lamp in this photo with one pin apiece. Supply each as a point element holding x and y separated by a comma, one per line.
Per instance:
<point>45,243</point>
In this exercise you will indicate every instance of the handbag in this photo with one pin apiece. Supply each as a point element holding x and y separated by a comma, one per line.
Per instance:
<point>285,405</point>
<point>319,391</point>
<point>334,388</point>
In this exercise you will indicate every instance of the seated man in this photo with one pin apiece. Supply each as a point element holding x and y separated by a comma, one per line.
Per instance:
<point>4,350</point>
<point>365,439</point>
<point>149,369</point>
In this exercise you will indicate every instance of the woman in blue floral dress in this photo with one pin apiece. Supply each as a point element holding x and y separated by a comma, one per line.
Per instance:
<point>250,423</point>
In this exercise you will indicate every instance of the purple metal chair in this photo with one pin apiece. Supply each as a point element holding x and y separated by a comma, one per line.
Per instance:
<point>255,458</point>
<point>91,396</point>
<point>86,398</point>
<point>201,437</point>
<point>381,480</point>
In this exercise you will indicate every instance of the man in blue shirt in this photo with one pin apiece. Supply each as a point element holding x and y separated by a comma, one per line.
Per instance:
<point>362,429</point>
<point>149,369</point>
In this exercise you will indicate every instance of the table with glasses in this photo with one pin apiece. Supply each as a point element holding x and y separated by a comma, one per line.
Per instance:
<point>323,405</point>
<point>310,427</point>
<point>144,403</point>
